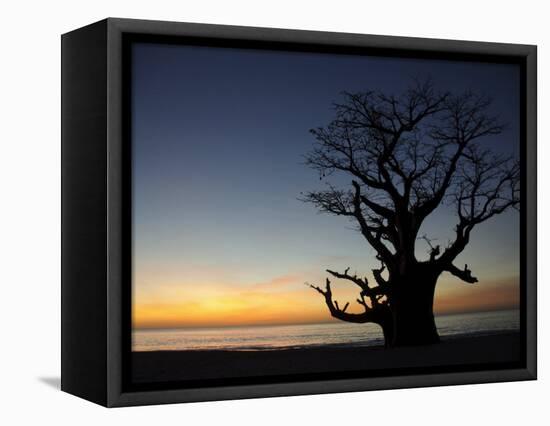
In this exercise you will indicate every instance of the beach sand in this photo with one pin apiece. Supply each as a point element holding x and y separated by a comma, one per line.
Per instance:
<point>166,366</point>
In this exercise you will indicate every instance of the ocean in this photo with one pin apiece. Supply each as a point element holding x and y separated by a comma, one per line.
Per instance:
<point>310,335</point>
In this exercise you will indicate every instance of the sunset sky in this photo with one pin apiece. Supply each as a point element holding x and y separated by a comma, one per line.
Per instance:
<point>219,236</point>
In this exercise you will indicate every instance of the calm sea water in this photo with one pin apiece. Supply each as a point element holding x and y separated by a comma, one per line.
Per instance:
<point>293,336</point>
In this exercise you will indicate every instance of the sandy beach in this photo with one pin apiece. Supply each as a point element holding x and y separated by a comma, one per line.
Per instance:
<point>164,366</point>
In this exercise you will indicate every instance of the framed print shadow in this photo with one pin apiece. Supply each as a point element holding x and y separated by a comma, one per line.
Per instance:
<point>252,212</point>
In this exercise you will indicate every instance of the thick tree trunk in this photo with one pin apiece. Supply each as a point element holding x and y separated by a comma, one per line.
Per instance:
<point>414,328</point>
<point>387,329</point>
<point>412,312</point>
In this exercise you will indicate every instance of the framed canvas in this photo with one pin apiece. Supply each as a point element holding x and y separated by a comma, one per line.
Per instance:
<point>253,212</point>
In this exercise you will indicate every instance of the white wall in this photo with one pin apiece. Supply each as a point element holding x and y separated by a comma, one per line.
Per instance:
<point>30,199</point>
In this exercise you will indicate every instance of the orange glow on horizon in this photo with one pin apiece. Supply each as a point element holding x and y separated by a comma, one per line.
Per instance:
<point>491,295</point>
<point>285,300</point>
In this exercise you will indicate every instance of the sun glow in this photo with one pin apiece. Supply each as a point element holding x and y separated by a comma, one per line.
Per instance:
<point>286,300</point>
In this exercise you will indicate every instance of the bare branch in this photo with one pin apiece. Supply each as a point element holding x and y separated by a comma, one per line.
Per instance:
<point>370,315</point>
<point>486,185</point>
<point>464,274</point>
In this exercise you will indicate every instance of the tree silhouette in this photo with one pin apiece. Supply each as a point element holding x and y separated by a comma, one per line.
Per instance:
<point>405,156</point>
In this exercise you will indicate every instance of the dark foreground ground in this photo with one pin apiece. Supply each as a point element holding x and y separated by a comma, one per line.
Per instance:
<point>166,366</point>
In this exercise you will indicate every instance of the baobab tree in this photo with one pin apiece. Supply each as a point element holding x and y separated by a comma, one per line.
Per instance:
<point>405,156</point>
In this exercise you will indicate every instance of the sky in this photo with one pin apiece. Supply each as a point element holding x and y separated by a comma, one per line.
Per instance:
<point>219,135</point>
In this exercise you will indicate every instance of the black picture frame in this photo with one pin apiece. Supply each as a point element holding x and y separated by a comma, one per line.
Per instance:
<point>96,209</point>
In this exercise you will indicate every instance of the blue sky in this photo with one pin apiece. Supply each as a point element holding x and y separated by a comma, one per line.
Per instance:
<point>219,136</point>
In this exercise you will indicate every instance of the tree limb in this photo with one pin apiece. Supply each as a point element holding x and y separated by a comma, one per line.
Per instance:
<point>464,274</point>
<point>369,316</point>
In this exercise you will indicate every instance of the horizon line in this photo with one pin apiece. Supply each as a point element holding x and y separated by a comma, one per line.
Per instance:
<point>328,321</point>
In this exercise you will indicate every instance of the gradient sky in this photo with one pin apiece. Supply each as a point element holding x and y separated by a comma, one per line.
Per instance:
<point>219,134</point>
